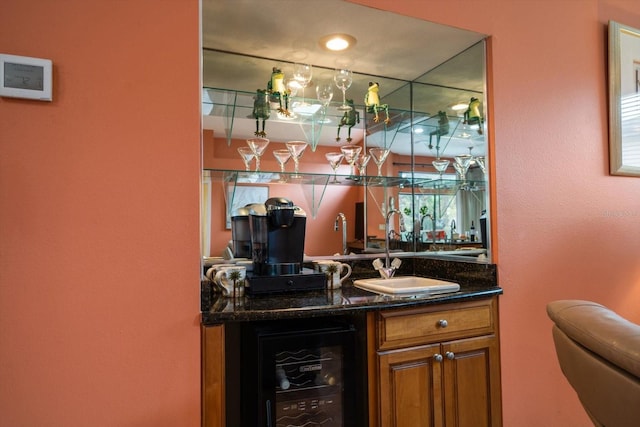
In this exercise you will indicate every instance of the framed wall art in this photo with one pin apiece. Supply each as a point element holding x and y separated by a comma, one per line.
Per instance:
<point>624,100</point>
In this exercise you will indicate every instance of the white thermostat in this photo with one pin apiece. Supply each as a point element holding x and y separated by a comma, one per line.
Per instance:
<point>25,77</point>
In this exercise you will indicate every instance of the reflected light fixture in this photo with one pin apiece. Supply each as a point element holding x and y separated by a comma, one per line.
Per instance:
<point>460,106</point>
<point>337,42</point>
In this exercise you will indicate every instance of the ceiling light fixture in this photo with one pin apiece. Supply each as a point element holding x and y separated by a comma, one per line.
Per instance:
<point>337,42</point>
<point>460,106</point>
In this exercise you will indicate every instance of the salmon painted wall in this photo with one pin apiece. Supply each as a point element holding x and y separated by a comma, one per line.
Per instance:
<point>99,217</point>
<point>566,229</point>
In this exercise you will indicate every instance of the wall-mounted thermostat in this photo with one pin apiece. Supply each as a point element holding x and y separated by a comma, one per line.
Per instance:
<point>25,77</point>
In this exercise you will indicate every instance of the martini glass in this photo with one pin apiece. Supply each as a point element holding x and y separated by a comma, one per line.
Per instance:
<point>282,156</point>
<point>247,155</point>
<point>343,79</point>
<point>462,163</point>
<point>350,153</point>
<point>302,73</point>
<point>296,148</point>
<point>258,145</point>
<point>379,155</point>
<point>482,164</point>
<point>361,163</point>
<point>335,159</point>
<point>440,165</point>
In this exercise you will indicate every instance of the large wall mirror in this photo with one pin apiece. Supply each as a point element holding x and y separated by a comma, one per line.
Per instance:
<point>431,77</point>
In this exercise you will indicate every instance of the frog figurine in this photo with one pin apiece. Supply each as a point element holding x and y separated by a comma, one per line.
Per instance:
<point>261,110</point>
<point>472,116</point>
<point>278,92</point>
<point>349,118</point>
<point>372,102</point>
<point>442,129</point>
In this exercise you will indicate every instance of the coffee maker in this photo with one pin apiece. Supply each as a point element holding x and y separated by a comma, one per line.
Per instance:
<point>277,230</point>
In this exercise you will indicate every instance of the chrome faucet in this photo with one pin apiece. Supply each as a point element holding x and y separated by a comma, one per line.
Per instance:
<point>342,217</point>
<point>453,229</point>
<point>386,246</point>
<point>433,225</point>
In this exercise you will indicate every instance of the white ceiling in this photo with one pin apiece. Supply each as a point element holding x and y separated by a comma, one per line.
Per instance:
<point>390,48</point>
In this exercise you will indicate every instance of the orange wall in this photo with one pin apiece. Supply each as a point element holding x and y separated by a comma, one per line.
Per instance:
<point>99,204</point>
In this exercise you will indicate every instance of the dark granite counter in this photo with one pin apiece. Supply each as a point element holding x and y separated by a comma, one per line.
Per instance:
<point>346,300</point>
<point>476,280</point>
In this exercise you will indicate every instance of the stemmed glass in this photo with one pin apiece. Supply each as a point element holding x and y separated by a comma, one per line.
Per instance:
<point>335,159</point>
<point>296,148</point>
<point>480,161</point>
<point>343,79</point>
<point>258,145</point>
<point>379,155</point>
<point>462,163</point>
<point>247,155</point>
<point>350,153</point>
<point>324,93</point>
<point>302,73</point>
<point>440,165</point>
<point>361,163</point>
<point>282,156</point>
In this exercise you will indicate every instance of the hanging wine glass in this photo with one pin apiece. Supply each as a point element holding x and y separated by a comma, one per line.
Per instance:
<point>379,155</point>
<point>440,165</point>
<point>302,73</point>
<point>361,163</point>
<point>324,93</point>
<point>296,148</point>
<point>258,145</point>
<point>247,155</point>
<point>334,159</point>
<point>350,153</point>
<point>343,79</point>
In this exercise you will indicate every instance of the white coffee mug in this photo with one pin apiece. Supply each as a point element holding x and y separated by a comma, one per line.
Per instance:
<point>337,277</point>
<point>211,272</point>
<point>225,280</point>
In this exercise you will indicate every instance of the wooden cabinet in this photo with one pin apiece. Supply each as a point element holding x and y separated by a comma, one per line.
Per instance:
<point>213,378</point>
<point>435,366</point>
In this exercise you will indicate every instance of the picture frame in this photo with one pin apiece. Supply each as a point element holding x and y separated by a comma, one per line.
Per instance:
<point>241,195</point>
<point>624,100</point>
<point>26,77</point>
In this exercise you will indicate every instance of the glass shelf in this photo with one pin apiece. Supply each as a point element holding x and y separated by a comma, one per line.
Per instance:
<point>315,184</point>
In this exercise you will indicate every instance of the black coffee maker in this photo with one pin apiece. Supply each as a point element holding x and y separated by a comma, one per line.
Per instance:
<point>240,232</point>
<point>277,237</point>
<point>277,249</point>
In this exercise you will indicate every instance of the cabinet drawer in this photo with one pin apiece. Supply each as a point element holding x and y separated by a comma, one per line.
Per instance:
<point>409,327</point>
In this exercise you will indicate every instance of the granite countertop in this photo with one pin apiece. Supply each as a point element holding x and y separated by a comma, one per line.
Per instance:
<point>345,300</point>
<point>475,280</point>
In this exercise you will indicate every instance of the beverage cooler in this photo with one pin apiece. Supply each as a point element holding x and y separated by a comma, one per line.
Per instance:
<point>299,373</point>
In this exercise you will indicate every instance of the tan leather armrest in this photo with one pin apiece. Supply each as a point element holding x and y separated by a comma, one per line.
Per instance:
<point>600,330</point>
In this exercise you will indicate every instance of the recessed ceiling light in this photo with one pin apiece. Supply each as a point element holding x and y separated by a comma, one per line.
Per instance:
<point>460,106</point>
<point>337,42</point>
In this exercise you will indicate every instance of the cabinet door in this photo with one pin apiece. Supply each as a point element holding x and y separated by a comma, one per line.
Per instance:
<point>410,390</point>
<point>471,382</point>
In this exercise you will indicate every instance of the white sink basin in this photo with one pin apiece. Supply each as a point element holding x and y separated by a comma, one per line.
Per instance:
<point>407,285</point>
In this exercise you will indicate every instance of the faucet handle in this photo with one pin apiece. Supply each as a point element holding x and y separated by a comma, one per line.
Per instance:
<point>377,264</point>
<point>396,263</point>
